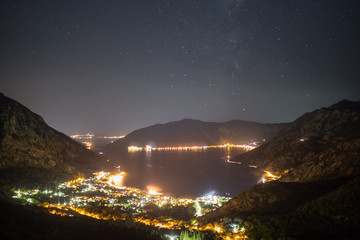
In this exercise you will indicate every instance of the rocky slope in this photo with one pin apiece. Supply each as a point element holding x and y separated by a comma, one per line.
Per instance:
<point>189,132</point>
<point>318,197</point>
<point>282,210</point>
<point>27,142</point>
<point>320,145</point>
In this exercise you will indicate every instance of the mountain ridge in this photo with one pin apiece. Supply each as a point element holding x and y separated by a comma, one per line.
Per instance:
<point>316,194</point>
<point>190,132</point>
<point>323,137</point>
<point>26,141</point>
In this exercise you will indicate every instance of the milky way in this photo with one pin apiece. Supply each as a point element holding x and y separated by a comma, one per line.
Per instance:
<point>114,66</point>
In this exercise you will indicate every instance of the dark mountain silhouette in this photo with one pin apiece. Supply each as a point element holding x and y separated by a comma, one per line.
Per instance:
<point>318,197</point>
<point>320,145</point>
<point>189,132</point>
<point>28,145</point>
<point>30,222</point>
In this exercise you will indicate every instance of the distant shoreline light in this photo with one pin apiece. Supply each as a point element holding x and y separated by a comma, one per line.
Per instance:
<point>91,136</point>
<point>87,139</point>
<point>247,147</point>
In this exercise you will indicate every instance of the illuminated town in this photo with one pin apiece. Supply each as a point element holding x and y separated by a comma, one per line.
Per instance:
<point>104,197</point>
<point>246,147</point>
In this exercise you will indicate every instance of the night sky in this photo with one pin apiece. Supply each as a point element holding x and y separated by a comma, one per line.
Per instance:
<point>110,67</point>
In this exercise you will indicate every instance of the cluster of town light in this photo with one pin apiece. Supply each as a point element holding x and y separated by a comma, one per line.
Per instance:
<point>246,147</point>
<point>268,176</point>
<point>104,197</point>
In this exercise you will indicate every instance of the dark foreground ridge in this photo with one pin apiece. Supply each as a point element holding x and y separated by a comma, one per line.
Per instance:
<point>316,160</point>
<point>188,132</point>
<point>28,146</point>
<point>28,222</point>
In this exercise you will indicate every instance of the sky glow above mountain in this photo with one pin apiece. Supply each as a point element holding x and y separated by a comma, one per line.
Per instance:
<point>110,67</point>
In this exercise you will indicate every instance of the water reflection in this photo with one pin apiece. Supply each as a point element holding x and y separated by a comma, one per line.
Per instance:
<point>186,173</point>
